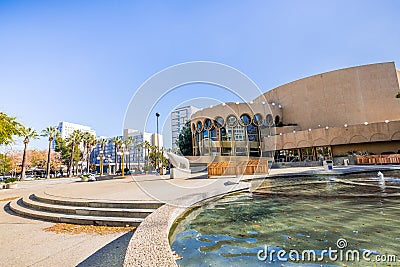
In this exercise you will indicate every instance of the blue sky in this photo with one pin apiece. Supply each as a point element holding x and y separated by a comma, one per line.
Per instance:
<point>81,61</point>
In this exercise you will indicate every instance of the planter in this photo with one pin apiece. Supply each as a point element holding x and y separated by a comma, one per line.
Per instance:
<point>11,185</point>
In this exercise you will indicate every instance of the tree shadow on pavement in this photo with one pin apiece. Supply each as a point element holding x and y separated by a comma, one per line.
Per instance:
<point>111,255</point>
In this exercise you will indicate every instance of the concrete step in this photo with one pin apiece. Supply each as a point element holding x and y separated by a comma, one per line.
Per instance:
<point>34,204</point>
<point>123,204</point>
<point>18,207</point>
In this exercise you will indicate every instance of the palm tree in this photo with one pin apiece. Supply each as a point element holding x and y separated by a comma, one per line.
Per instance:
<point>103,142</point>
<point>51,132</point>
<point>89,140</point>
<point>74,139</point>
<point>117,143</point>
<point>128,142</point>
<point>138,147</point>
<point>27,134</point>
<point>147,147</point>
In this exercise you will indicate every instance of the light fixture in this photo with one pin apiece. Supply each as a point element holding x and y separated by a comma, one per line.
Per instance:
<point>345,125</point>
<point>263,102</point>
<point>366,123</point>
<point>224,104</point>
<point>237,103</point>
<point>309,129</point>
<point>251,102</point>
<point>319,125</point>
<point>273,103</point>
<point>327,127</point>
<point>269,136</point>
<point>279,106</point>
<point>294,131</point>
<point>280,134</point>
<point>386,121</point>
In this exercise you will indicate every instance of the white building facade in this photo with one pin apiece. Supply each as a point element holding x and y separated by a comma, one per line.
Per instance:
<point>179,117</point>
<point>67,128</point>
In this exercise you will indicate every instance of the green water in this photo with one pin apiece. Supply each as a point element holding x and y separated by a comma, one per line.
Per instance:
<point>232,230</point>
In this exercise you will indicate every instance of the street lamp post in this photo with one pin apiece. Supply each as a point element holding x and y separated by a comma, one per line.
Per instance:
<point>119,153</point>
<point>109,164</point>
<point>101,162</point>
<point>158,145</point>
<point>129,160</point>
<point>122,159</point>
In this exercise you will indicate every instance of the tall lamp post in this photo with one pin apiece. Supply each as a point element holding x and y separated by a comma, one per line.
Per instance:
<point>119,153</point>
<point>128,160</point>
<point>122,159</point>
<point>158,145</point>
<point>109,164</point>
<point>101,162</point>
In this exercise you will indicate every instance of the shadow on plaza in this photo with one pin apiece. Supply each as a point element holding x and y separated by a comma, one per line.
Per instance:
<point>112,254</point>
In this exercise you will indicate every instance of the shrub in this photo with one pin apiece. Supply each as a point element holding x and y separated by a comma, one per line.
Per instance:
<point>11,180</point>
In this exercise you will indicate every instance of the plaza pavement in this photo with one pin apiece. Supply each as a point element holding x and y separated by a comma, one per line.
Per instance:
<point>24,243</point>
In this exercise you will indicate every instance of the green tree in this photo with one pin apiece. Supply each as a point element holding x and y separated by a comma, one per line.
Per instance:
<point>117,141</point>
<point>139,146</point>
<point>5,164</point>
<point>64,150</point>
<point>9,128</point>
<point>103,142</point>
<point>89,141</point>
<point>147,147</point>
<point>184,141</point>
<point>128,142</point>
<point>28,134</point>
<point>156,156</point>
<point>73,141</point>
<point>50,132</point>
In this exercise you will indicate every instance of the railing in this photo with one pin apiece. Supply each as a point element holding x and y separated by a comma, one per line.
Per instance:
<point>249,167</point>
<point>379,159</point>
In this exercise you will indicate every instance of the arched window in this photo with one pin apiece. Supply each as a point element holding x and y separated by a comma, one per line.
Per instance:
<point>269,121</point>
<point>219,122</point>
<point>208,124</point>
<point>245,120</point>
<point>257,119</point>
<point>231,121</point>
<point>199,127</point>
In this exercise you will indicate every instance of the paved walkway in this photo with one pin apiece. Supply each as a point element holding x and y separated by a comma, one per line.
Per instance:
<point>24,243</point>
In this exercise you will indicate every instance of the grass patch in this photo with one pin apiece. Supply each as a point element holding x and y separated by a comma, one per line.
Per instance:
<point>74,229</point>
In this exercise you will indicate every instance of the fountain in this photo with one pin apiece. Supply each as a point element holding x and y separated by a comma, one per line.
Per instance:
<point>297,213</point>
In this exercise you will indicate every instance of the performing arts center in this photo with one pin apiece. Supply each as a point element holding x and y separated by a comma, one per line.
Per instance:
<point>353,110</point>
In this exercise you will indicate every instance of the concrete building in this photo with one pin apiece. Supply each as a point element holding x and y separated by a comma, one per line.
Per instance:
<point>156,142</point>
<point>320,117</point>
<point>179,117</point>
<point>137,153</point>
<point>109,156</point>
<point>66,128</point>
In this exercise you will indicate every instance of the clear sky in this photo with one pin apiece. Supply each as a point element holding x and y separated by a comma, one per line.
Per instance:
<point>81,61</point>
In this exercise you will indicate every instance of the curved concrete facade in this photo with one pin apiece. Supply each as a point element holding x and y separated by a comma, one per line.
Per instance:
<point>352,109</point>
<point>347,96</point>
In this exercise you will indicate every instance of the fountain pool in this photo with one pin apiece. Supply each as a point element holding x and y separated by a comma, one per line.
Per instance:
<point>295,215</point>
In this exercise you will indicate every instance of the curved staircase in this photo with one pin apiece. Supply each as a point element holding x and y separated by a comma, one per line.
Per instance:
<point>81,211</point>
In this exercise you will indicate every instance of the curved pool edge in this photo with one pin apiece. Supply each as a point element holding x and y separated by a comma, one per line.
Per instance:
<point>149,245</point>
